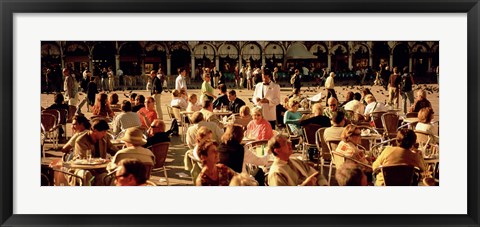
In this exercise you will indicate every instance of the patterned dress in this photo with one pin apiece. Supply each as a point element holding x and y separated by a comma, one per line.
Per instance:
<point>225,174</point>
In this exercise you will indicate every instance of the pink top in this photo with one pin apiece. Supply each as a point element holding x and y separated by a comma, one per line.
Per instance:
<point>151,115</point>
<point>261,131</point>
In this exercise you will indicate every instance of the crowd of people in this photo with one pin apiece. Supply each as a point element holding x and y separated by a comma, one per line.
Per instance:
<point>217,144</point>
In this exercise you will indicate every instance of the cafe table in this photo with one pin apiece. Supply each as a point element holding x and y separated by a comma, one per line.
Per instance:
<point>410,120</point>
<point>94,163</point>
<point>371,137</point>
<point>222,113</point>
<point>304,111</point>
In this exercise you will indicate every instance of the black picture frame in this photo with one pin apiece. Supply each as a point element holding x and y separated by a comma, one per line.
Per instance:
<point>9,8</point>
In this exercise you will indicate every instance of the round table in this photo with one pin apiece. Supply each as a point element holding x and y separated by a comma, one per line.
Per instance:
<point>86,166</point>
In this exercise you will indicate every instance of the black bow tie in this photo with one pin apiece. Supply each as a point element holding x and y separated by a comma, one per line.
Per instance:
<point>266,84</point>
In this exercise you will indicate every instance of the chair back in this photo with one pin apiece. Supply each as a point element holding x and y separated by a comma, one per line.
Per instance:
<point>309,133</point>
<point>332,146</point>
<point>170,112</point>
<point>377,119</point>
<point>48,121</point>
<point>321,144</point>
<point>160,151</point>
<point>71,112</point>
<point>63,116</point>
<point>412,114</point>
<point>390,124</point>
<point>400,175</point>
<point>176,114</point>
<point>55,113</point>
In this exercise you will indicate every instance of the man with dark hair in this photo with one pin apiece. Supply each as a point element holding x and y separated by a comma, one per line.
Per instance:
<point>234,103</point>
<point>355,105</point>
<point>131,172</point>
<point>207,111</point>
<point>180,82</point>
<point>222,98</point>
<point>335,131</point>
<point>80,126</point>
<point>287,171</point>
<point>139,103</point>
<point>267,97</point>
<point>126,119</point>
<point>156,92</point>
<point>96,140</point>
<point>350,174</point>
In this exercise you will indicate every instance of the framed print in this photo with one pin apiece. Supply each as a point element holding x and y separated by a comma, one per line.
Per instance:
<point>26,24</point>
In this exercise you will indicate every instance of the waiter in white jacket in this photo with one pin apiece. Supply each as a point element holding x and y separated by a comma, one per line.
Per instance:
<point>267,96</point>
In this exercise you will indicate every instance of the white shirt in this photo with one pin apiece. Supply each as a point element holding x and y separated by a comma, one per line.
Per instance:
<point>329,84</point>
<point>176,101</point>
<point>355,106</point>
<point>370,108</point>
<point>191,137</point>
<point>180,83</point>
<point>270,92</point>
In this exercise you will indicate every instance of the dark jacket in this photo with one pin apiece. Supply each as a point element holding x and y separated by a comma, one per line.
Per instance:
<point>319,120</point>
<point>231,155</point>
<point>236,105</point>
<point>222,99</point>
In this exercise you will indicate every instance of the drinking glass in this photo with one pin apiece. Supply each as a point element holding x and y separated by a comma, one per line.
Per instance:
<point>89,155</point>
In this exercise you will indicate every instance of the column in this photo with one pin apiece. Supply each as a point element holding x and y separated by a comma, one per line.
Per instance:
<point>263,59</point>
<point>63,62</point>
<point>370,60</point>
<point>90,63</point>
<point>329,62</point>
<point>117,62</point>
<point>192,62</point>
<point>217,62</point>
<point>142,75</point>
<point>430,65</point>
<point>240,61</point>
<point>391,61</point>
<point>169,65</point>
<point>410,64</point>
<point>350,66</point>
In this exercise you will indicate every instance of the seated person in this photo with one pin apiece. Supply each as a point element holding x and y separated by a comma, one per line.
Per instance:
<point>332,108</point>
<point>102,108</point>
<point>147,114</point>
<point>292,117</point>
<point>350,174</point>
<point>192,103</point>
<point>373,106</point>
<point>335,131</point>
<point>131,172</point>
<point>177,101</point>
<point>295,95</point>
<point>213,173</point>
<point>235,103</point>
<point>317,118</point>
<point>80,126</point>
<point>133,141</point>
<point>244,117</point>
<point>207,111</point>
<point>234,155</point>
<point>58,103</point>
<point>203,134</point>
<point>243,179</point>
<point>96,140</point>
<point>126,119</point>
<point>222,99</point>
<point>351,138</point>
<point>113,101</point>
<point>197,123</point>
<point>156,133</point>
<point>349,97</point>
<point>139,103</point>
<point>288,171</point>
<point>403,153</point>
<point>259,128</point>
<point>425,117</point>
<point>355,105</point>
<point>421,101</point>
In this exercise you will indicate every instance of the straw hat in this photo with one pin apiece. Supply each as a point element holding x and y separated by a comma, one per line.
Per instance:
<point>134,135</point>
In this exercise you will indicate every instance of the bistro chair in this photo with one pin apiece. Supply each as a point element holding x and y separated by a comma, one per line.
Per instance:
<point>309,139</point>
<point>50,127</point>
<point>390,124</point>
<point>160,150</point>
<point>332,146</point>
<point>376,118</point>
<point>193,165</point>
<point>341,158</point>
<point>68,177</point>
<point>324,153</point>
<point>399,174</point>
<point>292,136</point>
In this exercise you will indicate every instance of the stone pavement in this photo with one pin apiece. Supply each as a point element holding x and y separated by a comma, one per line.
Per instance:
<point>175,166</point>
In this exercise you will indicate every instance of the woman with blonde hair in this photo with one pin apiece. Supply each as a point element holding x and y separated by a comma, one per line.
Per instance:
<point>292,117</point>
<point>207,89</point>
<point>244,116</point>
<point>425,117</point>
<point>203,134</point>
<point>193,104</point>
